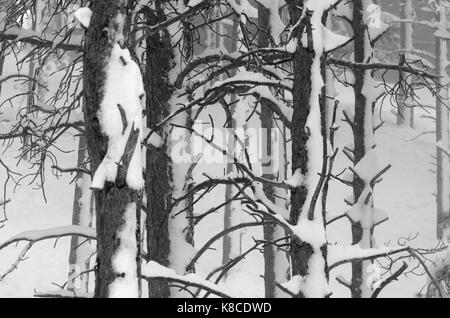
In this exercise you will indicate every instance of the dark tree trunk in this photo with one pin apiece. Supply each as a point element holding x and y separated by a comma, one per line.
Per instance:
<point>274,270</point>
<point>302,62</point>
<point>111,202</point>
<point>158,90</point>
<point>266,124</point>
<point>360,131</point>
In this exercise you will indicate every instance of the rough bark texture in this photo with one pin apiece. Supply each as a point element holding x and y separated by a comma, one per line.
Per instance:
<point>111,202</point>
<point>158,90</point>
<point>266,124</point>
<point>302,63</point>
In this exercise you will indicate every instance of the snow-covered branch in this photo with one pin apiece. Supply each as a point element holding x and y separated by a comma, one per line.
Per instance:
<point>153,271</point>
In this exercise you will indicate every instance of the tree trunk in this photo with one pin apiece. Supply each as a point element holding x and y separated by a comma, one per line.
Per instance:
<point>80,249</point>
<point>232,245</point>
<point>169,226</point>
<point>405,113</point>
<point>275,260</point>
<point>442,131</point>
<point>330,89</point>
<point>116,203</point>
<point>308,150</point>
<point>158,91</point>
<point>363,135</point>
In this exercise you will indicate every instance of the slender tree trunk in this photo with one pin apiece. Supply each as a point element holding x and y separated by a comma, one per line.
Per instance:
<point>3,21</point>
<point>442,130</point>
<point>364,141</point>
<point>232,245</point>
<point>330,89</point>
<point>275,260</point>
<point>34,71</point>
<point>80,249</point>
<point>2,62</point>
<point>405,113</point>
<point>116,204</point>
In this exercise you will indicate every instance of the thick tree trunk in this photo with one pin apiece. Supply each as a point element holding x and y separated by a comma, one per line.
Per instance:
<point>116,203</point>
<point>169,226</point>
<point>82,215</point>
<point>308,136</point>
<point>158,91</point>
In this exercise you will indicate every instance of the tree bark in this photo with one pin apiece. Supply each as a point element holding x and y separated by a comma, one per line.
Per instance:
<point>442,131</point>
<point>80,249</point>
<point>159,90</point>
<point>363,135</point>
<point>304,125</point>
<point>276,264</point>
<point>169,226</point>
<point>115,200</point>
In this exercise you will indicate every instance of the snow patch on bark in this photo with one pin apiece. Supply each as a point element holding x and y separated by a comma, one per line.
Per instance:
<point>120,112</point>
<point>124,261</point>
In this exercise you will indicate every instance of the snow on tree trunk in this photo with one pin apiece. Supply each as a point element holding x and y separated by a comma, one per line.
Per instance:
<point>442,126</point>
<point>309,245</point>
<point>80,249</point>
<point>169,229</point>
<point>180,226</point>
<point>330,89</point>
<point>113,118</point>
<point>406,114</point>
<point>363,215</point>
<point>33,72</point>
<point>232,245</point>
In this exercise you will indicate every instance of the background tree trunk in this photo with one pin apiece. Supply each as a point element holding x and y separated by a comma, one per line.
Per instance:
<point>406,114</point>
<point>82,215</point>
<point>275,260</point>
<point>442,129</point>
<point>232,245</point>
